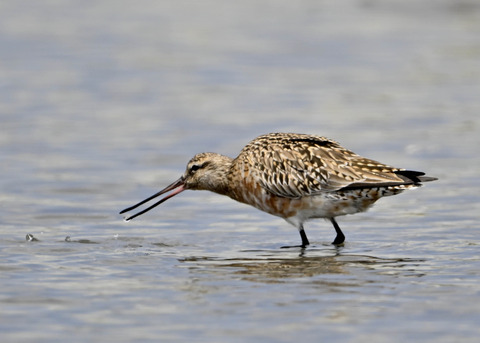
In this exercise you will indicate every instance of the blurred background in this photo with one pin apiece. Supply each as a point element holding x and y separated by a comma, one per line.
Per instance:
<point>102,103</point>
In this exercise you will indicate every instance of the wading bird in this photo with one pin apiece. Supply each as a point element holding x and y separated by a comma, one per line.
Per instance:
<point>294,176</point>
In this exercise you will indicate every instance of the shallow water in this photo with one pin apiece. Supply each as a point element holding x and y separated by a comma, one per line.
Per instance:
<point>103,103</point>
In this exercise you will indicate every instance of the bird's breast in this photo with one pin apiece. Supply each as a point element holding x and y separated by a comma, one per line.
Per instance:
<point>252,193</point>
<point>321,205</point>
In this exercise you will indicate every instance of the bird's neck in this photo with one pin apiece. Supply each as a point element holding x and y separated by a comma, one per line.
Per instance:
<point>220,182</point>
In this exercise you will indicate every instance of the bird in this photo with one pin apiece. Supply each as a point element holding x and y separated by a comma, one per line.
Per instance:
<point>294,176</point>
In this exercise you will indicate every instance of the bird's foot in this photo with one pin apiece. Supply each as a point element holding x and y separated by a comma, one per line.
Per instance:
<point>339,240</point>
<point>293,246</point>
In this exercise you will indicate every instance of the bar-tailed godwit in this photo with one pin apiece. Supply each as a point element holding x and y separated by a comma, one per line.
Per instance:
<point>296,177</point>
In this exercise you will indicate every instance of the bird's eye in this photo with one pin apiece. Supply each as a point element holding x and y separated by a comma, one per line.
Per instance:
<point>194,168</point>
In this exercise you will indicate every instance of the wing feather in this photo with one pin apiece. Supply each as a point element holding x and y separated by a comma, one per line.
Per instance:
<point>294,165</point>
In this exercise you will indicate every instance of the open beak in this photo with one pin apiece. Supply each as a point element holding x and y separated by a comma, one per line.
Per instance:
<point>176,187</point>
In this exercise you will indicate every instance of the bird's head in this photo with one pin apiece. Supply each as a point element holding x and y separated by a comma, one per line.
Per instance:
<point>205,171</point>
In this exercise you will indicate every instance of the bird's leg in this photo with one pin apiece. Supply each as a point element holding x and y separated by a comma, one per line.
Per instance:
<point>340,236</point>
<point>303,235</point>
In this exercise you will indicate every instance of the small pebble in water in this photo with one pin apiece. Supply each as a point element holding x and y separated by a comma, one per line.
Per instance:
<point>30,238</point>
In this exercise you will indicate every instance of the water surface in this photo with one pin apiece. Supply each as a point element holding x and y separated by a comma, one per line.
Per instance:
<point>102,104</point>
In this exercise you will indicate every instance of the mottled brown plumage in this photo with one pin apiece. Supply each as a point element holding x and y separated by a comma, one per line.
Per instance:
<point>296,177</point>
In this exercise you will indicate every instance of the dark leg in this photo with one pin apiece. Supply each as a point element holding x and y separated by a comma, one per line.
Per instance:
<point>305,241</point>
<point>340,236</point>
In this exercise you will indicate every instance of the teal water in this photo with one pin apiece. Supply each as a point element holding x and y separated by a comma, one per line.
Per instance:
<point>103,103</point>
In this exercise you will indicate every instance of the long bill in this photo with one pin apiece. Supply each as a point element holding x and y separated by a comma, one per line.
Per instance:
<point>177,186</point>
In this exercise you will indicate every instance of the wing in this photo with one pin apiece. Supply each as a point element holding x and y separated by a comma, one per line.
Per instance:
<point>293,165</point>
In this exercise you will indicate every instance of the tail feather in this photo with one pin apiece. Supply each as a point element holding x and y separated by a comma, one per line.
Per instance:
<point>414,177</point>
